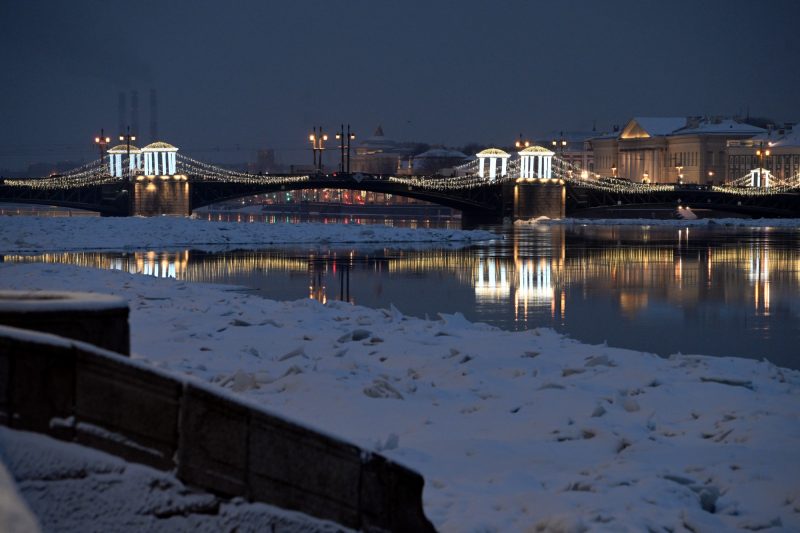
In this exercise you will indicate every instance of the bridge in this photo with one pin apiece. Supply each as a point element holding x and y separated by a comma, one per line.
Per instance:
<point>495,185</point>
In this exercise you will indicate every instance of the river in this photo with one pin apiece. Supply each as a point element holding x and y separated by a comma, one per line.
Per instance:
<point>725,291</point>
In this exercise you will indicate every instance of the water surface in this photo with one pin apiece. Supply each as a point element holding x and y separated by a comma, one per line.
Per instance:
<point>718,291</point>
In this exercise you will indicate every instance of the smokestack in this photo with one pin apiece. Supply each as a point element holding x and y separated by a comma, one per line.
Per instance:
<point>153,116</point>
<point>122,113</point>
<point>135,113</point>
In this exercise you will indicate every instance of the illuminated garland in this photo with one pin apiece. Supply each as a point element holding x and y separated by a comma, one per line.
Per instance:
<point>93,173</point>
<point>190,166</point>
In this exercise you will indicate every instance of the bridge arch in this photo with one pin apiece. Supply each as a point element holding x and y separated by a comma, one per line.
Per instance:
<point>479,201</point>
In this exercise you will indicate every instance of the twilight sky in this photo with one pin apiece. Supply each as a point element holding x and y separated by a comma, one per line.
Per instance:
<point>235,76</point>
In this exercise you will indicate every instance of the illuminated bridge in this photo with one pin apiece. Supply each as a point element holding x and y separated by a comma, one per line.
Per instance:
<point>495,185</point>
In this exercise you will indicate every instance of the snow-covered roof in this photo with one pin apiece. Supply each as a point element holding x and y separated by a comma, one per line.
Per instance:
<point>492,152</point>
<point>159,146</point>
<point>123,149</point>
<point>441,153</point>
<point>643,127</point>
<point>791,139</point>
<point>536,150</point>
<point>723,127</point>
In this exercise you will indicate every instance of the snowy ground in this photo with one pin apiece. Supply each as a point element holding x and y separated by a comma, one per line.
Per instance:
<point>36,234</point>
<point>511,430</point>
<point>75,489</point>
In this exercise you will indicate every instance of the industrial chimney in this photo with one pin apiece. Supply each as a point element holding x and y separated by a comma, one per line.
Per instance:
<point>135,113</point>
<point>122,112</point>
<point>153,116</point>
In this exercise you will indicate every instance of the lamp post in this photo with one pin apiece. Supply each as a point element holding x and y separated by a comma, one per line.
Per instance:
<point>317,145</point>
<point>128,138</point>
<point>351,136</point>
<point>559,145</point>
<point>521,143</point>
<point>101,142</point>
<point>340,138</point>
<point>761,153</point>
<point>345,147</point>
<point>679,169</point>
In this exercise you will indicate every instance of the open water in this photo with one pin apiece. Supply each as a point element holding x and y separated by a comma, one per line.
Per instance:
<point>720,291</point>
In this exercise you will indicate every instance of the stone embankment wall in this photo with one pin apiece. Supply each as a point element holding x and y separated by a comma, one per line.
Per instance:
<point>77,392</point>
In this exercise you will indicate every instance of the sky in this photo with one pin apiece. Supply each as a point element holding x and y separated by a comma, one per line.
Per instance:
<point>232,77</point>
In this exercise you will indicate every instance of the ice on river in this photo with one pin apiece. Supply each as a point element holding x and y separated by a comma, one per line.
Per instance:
<point>511,430</point>
<point>36,234</point>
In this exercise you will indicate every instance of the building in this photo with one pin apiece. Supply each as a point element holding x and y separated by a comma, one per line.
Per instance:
<point>776,151</point>
<point>433,161</point>
<point>670,149</point>
<point>573,147</point>
<point>380,154</point>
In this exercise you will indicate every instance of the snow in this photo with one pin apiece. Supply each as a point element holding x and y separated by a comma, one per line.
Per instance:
<point>35,234</point>
<point>511,430</point>
<point>15,516</point>
<point>52,301</point>
<point>75,489</point>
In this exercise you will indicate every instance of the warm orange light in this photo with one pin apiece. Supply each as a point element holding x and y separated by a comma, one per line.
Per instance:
<point>97,139</point>
<point>758,152</point>
<point>766,153</point>
<point>338,136</point>
<point>133,137</point>
<point>108,139</point>
<point>325,137</point>
<point>352,136</point>
<point>563,143</point>
<point>311,137</point>
<point>517,144</point>
<point>121,138</point>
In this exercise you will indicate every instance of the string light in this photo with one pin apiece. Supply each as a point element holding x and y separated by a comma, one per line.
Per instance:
<point>466,177</point>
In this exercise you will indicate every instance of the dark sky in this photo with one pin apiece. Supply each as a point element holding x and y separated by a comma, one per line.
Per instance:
<point>260,73</point>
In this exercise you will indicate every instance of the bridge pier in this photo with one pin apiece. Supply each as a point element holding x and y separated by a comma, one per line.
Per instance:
<point>536,198</point>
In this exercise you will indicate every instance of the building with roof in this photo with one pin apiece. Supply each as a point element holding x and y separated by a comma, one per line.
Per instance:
<point>380,154</point>
<point>433,161</point>
<point>670,149</point>
<point>778,152</point>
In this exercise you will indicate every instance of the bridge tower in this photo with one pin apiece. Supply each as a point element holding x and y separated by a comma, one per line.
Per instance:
<point>536,162</point>
<point>159,159</point>
<point>760,178</point>
<point>536,193</point>
<point>116,156</point>
<point>492,154</point>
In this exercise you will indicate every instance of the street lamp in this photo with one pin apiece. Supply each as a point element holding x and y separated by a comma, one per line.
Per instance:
<point>559,145</point>
<point>101,142</point>
<point>521,143</point>
<point>128,138</point>
<point>711,176</point>
<point>761,153</point>
<point>317,145</point>
<point>345,147</point>
<point>646,177</point>
<point>613,171</point>
<point>679,168</point>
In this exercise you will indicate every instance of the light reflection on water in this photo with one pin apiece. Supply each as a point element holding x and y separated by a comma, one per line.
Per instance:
<point>725,291</point>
